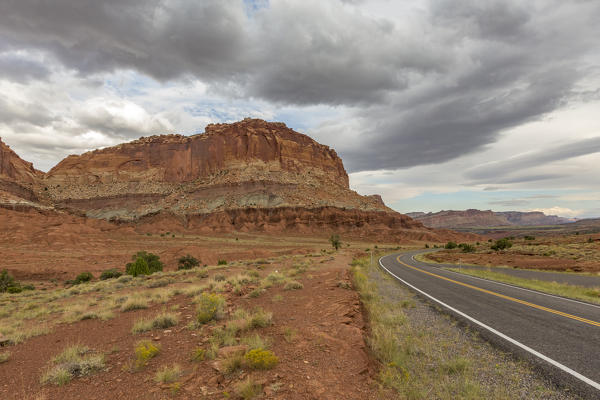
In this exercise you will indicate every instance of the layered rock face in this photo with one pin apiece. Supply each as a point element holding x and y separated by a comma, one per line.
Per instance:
<point>17,178</point>
<point>250,175</point>
<point>247,164</point>
<point>478,219</point>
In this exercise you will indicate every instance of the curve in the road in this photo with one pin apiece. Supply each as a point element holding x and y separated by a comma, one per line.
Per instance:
<point>556,342</point>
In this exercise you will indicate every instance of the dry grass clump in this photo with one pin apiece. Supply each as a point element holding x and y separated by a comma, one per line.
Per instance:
<point>293,285</point>
<point>211,306</point>
<point>275,277</point>
<point>74,361</point>
<point>4,357</point>
<point>198,354</point>
<point>255,342</point>
<point>134,303</point>
<point>168,374</point>
<point>242,320</point>
<point>248,389</point>
<point>162,321</point>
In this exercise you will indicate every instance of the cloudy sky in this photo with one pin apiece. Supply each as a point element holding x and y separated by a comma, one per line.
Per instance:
<point>440,104</point>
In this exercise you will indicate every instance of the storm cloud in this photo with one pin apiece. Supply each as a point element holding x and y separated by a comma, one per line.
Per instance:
<point>391,85</point>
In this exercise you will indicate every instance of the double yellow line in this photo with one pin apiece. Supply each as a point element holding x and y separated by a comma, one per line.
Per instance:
<point>550,310</point>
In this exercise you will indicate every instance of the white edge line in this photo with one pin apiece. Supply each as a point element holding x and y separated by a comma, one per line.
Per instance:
<point>500,334</point>
<point>506,284</point>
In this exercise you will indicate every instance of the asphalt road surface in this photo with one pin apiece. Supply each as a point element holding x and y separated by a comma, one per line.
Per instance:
<point>560,336</point>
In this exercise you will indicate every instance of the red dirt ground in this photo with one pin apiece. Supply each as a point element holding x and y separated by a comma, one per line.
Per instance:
<point>327,359</point>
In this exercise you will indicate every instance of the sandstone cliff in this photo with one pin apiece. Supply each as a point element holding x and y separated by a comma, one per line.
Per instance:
<point>17,178</point>
<point>248,176</point>
<point>251,163</point>
<point>478,219</point>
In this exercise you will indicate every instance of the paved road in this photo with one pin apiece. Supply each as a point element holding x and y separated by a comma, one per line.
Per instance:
<point>561,336</point>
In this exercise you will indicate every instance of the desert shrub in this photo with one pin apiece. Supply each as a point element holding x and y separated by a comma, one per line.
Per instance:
<point>74,361</point>
<point>344,285</point>
<point>187,262</point>
<point>222,262</point>
<point>256,292</point>
<point>83,278</point>
<point>527,237</point>
<point>14,289</point>
<point>156,283</point>
<point>198,354</point>
<point>7,281</point>
<point>124,279</point>
<point>275,277</point>
<point>211,306</point>
<point>219,278</point>
<point>167,374</point>
<point>468,248</point>
<point>335,241</point>
<point>590,240</point>
<point>451,245</point>
<point>260,359</point>
<point>4,357</point>
<point>502,244</point>
<point>134,303</point>
<point>144,351</point>
<point>248,389</point>
<point>162,321</point>
<point>28,287</point>
<point>110,274</point>
<point>233,363</point>
<point>426,246</point>
<point>255,342</point>
<point>293,285</point>
<point>138,267</point>
<point>260,318</point>
<point>144,264</point>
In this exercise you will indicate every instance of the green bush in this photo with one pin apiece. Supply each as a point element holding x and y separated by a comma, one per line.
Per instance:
<point>187,262</point>
<point>14,289</point>
<point>222,262</point>
<point>527,237</point>
<point>7,282</point>
<point>451,245</point>
<point>144,264</point>
<point>335,241</point>
<point>468,248</point>
<point>502,244</point>
<point>83,277</point>
<point>110,274</point>
<point>138,267</point>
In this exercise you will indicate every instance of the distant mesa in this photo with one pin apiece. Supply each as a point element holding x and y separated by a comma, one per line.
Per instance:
<point>250,175</point>
<point>472,218</point>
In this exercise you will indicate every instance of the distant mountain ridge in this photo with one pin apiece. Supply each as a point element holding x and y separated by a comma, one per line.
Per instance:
<point>473,218</point>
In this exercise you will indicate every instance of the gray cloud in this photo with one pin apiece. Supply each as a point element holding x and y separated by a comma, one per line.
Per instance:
<point>20,69</point>
<point>498,171</point>
<point>425,87</point>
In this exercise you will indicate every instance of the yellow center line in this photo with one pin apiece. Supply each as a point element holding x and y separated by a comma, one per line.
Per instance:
<point>550,310</point>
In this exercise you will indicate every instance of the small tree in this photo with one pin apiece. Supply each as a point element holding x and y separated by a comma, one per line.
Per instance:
<point>502,244</point>
<point>451,245</point>
<point>187,262</point>
<point>6,281</point>
<point>138,267</point>
<point>153,263</point>
<point>334,239</point>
